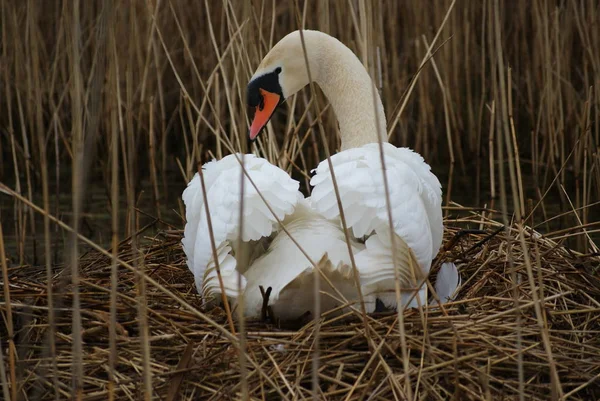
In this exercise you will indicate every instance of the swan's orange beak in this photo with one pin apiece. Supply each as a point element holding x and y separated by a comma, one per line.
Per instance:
<point>264,112</point>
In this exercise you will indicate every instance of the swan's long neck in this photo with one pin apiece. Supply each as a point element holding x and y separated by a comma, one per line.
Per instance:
<point>350,91</point>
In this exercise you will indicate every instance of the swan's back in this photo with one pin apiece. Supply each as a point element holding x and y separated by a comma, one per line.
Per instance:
<point>288,272</point>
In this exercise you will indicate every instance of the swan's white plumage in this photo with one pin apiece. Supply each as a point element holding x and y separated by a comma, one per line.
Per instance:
<point>223,190</point>
<point>282,266</point>
<point>229,274</point>
<point>289,273</point>
<point>376,260</point>
<point>415,200</point>
<point>447,282</point>
<point>414,193</point>
<point>376,266</point>
<point>432,194</point>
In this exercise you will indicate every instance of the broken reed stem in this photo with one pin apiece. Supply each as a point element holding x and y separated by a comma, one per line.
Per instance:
<point>143,326</point>
<point>316,294</point>
<point>5,386</point>
<point>115,250</point>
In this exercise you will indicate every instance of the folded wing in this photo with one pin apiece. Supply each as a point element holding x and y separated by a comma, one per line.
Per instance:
<point>222,181</point>
<point>415,202</point>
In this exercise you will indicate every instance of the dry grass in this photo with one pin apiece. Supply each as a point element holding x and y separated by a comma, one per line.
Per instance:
<point>468,350</point>
<point>107,110</point>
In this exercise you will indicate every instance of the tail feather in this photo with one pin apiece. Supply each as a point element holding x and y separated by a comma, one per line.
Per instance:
<point>229,274</point>
<point>379,271</point>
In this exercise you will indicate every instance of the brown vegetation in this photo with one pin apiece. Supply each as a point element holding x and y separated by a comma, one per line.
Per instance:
<point>107,109</point>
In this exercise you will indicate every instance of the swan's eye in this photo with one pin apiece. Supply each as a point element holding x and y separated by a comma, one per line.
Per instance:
<point>277,70</point>
<point>261,103</point>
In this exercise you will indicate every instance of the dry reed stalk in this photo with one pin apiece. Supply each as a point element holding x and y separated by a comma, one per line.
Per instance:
<point>317,306</point>
<point>114,146</point>
<point>76,185</point>
<point>500,90</point>
<point>46,200</point>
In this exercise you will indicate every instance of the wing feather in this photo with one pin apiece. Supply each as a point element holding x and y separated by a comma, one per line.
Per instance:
<point>223,193</point>
<point>415,196</point>
<point>284,267</point>
<point>229,275</point>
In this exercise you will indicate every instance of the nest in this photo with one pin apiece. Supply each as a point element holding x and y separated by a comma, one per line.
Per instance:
<point>495,341</point>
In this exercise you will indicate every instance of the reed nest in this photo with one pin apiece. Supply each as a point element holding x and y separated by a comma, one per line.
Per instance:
<point>474,348</point>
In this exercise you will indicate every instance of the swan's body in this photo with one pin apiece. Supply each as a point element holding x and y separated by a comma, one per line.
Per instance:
<point>414,194</point>
<point>279,264</point>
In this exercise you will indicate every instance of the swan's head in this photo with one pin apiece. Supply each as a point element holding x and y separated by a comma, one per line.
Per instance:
<point>281,74</point>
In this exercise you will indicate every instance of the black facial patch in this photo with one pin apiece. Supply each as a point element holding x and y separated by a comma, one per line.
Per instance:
<point>268,82</point>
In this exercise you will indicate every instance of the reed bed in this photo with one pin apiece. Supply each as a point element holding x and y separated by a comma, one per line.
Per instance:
<point>468,350</point>
<point>107,109</point>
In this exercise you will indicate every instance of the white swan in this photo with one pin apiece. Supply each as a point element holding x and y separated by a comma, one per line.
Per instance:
<point>414,193</point>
